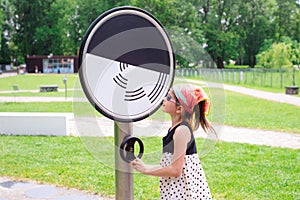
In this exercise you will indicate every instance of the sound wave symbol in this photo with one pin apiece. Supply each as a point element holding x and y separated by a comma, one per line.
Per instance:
<point>121,81</point>
<point>123,66</point>
<point>140,92</point>
<point>158,87</point>
<point>134,95</point>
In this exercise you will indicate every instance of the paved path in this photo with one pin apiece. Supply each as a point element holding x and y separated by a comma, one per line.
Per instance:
<point>260,137</point>
<point>7,74</point>
<point>105,127</point>
<point>277,97</point>
<point>29,190</point>
<point>35,99</point>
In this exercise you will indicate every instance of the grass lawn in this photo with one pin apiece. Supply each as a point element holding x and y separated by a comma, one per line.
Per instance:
<point>246,111</point>
<point>33,81</point>
<point>36,107</point>
<point>234,171</point>
<point>70,93</point>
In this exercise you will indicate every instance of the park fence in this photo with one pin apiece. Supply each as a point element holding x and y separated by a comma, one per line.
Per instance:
<point>274,78</point>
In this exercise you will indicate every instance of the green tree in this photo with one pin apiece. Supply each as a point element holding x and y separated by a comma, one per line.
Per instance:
<point>278,56</point>
<point>5,31</point>
<point>48,36</point>
<point>1,23</point>
<point>70,32</point>
<point>1,31</point>
<point>81,15</point>
<point>180,20</point>
<point>254,27</point>
<point>287,18</point>
<point>28,16</point>
<point>293,45</point>
<point>218,19</point>
<point>228,29</point>
<point>295,58</point>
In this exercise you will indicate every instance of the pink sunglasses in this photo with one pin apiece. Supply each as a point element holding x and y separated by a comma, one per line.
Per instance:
<point>169,98</point>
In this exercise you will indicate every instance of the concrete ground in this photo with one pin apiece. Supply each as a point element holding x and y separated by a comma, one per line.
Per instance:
<point>29,190</point>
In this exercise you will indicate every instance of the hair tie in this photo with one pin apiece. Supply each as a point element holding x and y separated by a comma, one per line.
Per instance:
<point>206,107</point>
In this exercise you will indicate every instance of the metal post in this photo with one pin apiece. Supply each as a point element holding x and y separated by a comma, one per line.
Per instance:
<point>294,72</point>
<point>281,78</point>
<point>65,82</point>
<point>123,170</point>
<point>271,78</point>
<point>66,91</point>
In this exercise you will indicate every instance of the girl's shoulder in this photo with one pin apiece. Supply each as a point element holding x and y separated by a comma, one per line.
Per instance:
<point>184,123</point>
<point>178,128</point>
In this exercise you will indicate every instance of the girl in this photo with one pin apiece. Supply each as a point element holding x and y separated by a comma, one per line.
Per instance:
<point>181,174</point>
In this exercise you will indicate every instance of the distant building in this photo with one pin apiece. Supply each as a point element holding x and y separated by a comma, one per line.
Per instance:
<point>52,64</point>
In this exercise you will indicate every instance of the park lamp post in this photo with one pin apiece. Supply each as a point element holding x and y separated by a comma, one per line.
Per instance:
<point>65,83</point>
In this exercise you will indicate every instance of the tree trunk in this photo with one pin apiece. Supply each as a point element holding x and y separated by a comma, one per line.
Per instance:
<point>220,63</point>
<point>252,61</point>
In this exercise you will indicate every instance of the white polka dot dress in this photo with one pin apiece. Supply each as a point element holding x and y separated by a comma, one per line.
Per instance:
<point>192,182</point>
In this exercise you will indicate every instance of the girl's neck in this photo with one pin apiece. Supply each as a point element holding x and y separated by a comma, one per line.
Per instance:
<point>175,121</point>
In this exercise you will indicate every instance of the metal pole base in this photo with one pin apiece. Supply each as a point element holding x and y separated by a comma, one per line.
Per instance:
<point>123,170</point>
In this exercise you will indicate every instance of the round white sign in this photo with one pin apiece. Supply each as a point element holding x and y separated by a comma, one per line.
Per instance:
<point>126,64</point>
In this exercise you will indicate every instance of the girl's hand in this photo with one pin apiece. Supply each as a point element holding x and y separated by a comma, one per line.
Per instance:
<point>139,166</point>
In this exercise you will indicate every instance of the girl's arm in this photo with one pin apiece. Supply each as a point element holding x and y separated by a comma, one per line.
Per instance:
<point>181,137</point>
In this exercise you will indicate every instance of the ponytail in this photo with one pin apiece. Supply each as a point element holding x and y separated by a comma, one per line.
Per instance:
<point>198,118</point>
<point>195,104</point>
<point>200,115</point>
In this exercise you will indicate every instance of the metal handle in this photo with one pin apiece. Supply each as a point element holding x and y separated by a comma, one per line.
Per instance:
<point>127,148</point>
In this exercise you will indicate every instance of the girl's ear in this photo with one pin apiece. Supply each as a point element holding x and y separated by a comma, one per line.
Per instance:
<point>179,109</point>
